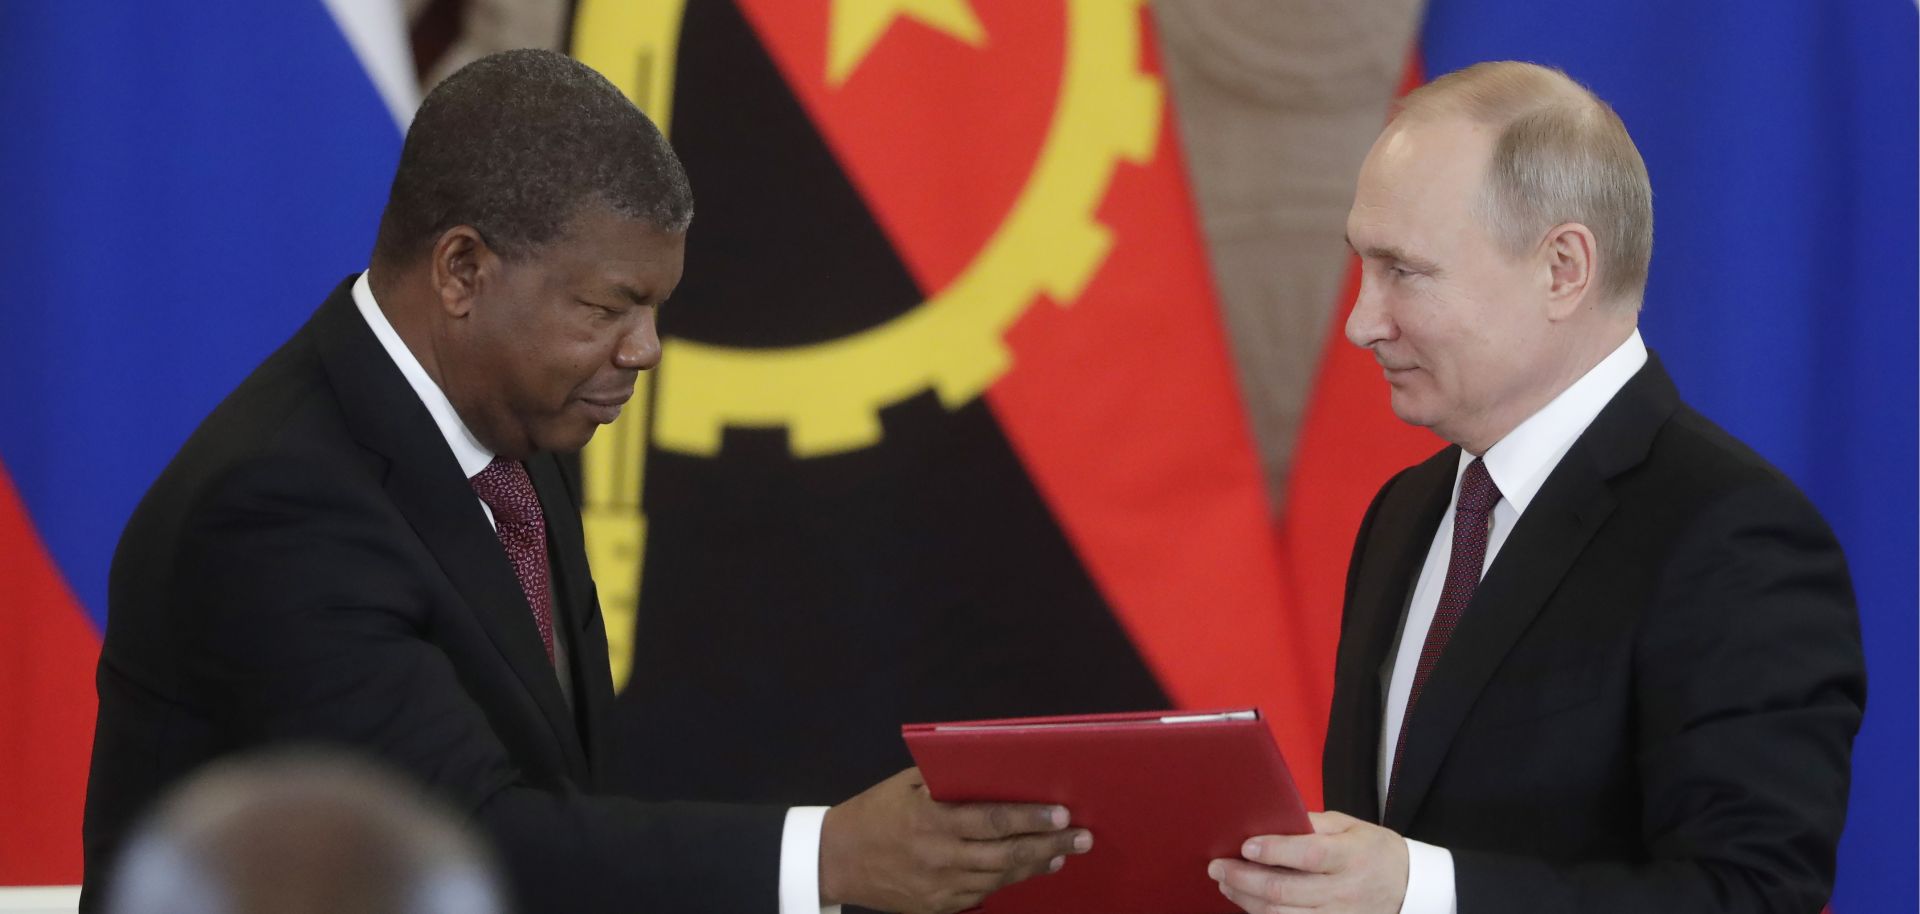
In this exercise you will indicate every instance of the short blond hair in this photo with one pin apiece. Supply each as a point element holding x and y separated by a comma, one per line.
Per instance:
<point>1562,156</point>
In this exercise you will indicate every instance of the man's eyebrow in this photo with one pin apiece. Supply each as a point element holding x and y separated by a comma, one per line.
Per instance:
<point>1389,252</point>
<point>627,292</point>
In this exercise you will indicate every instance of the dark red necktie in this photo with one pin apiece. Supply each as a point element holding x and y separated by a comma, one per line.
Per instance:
<point>517,520</point>
<point>1472,521</point>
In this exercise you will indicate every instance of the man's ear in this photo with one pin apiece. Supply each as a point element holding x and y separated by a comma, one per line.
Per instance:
<point>462,264</point>
<point>1570,258</point>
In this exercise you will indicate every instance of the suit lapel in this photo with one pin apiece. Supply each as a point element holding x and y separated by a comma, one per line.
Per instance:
<point>1397,544</point>
<point>1537,555</point>
<point>1563,517</point>
<point>573,593</point>
<point>425,482</point>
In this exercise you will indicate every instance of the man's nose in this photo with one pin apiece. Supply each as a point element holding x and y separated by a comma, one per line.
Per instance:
<point>1368,323</point>
<point>639,349</point>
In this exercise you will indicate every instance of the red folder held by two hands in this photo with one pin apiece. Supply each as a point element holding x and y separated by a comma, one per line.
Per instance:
<point>1163,794</point>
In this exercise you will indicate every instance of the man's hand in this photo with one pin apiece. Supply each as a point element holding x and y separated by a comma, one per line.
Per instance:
<point>1345,867</point>
<point>894,849</point>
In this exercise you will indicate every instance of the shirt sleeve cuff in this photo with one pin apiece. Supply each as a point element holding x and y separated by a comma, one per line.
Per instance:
<point>1429,880</point>
<point>800,862</point>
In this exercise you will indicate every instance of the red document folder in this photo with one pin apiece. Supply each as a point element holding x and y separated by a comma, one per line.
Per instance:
<point>1162,792</point>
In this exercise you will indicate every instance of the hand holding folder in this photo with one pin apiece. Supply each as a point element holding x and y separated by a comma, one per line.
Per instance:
<point>894,848</point>
<point>1163,794</point>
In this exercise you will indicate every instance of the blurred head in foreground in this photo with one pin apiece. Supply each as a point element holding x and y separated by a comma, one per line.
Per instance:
<point>301,833</point>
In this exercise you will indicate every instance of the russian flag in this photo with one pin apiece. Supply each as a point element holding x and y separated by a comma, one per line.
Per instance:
<point>183,180</point>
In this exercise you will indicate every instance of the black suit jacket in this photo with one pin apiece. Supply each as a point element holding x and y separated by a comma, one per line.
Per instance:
<point>1650,702</point>
<point>312,567</point>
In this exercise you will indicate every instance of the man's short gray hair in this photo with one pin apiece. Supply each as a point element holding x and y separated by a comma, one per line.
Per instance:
<point>302,833</point>
<point>514,145</point>
<point>1562,156</point>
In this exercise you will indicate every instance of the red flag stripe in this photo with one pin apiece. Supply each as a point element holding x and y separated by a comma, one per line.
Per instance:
<point>46,716</point>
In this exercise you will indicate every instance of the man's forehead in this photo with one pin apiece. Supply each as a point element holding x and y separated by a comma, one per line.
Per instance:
<point>1420,179</point>
<point>606,244</point>
<point>1418,154</point>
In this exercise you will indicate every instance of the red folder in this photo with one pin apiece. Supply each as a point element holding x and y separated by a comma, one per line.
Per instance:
<point>1162,792</point>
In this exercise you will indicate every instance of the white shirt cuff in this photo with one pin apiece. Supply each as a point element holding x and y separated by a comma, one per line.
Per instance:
<point>1429,880</point>
<point>800,862</point>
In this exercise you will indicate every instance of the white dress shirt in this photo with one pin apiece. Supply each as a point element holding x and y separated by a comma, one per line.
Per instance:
<point>800,836</point>
<point>1519,465</point>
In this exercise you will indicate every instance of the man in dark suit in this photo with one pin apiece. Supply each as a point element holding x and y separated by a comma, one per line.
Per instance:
<point>371,544</point>
<point>1598,656</point>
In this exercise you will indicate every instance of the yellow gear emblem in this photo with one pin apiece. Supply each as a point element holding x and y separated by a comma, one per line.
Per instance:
<point>828,395</point>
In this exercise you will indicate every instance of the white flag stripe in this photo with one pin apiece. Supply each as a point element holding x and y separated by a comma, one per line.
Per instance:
<point>377,31</point>
<point>63,899</point>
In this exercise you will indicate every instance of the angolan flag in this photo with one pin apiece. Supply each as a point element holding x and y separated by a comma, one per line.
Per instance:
<point>945,426</point>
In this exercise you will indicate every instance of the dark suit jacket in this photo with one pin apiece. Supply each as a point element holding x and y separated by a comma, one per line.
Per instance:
<point>312,567</point>
<point>1650,702</point>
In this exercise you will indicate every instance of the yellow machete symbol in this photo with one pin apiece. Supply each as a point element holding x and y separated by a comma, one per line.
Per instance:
<point>828,395</point>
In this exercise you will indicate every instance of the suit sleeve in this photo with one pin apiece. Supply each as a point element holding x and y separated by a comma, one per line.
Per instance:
<point>306,627</point>
<point>1749,687</point>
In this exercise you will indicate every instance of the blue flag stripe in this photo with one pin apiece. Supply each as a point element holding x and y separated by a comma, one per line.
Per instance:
<point>184,180</point>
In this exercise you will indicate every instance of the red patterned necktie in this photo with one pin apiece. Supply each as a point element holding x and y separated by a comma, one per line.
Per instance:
<point>517,520</point>
<point>1472,520</point>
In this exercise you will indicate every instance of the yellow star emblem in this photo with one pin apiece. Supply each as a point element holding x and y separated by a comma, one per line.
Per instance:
<point>857,25</point>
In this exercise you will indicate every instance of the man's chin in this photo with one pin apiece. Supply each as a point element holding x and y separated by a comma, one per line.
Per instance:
<point>1413,411</point>
<point>568,437</point>
<point>1406,408</point>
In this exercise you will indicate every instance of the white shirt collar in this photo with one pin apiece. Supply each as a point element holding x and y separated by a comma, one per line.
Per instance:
<point>473,455</point>
<point>1521,462</point>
